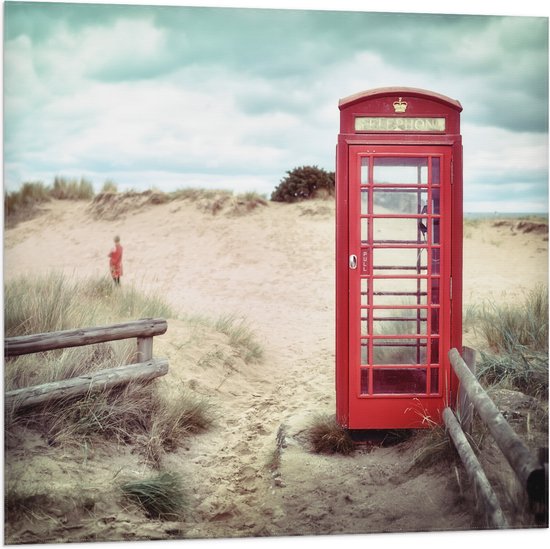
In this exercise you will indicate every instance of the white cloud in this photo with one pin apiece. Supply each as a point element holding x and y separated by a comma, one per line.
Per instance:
<point>113,100</point>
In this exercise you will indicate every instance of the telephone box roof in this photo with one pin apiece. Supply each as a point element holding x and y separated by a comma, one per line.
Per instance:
<point>399,91</point>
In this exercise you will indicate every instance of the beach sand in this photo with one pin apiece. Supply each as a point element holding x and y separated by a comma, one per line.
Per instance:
<point>273,267</point>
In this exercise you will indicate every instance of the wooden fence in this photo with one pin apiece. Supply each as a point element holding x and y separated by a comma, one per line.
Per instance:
<point>145,368</point>
<point>530,471</point>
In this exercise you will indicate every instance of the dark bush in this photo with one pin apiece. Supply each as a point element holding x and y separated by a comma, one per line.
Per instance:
<point>304,183</point>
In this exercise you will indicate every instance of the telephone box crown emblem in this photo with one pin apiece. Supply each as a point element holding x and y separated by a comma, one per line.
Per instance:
<point>400,105</point>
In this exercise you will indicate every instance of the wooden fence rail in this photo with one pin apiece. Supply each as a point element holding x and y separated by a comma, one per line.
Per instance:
<point>530,472</point>
<point>145,368</point>
<point>36,343</point>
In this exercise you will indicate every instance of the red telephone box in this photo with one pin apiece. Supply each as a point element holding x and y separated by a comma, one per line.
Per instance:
<point>398,257</point>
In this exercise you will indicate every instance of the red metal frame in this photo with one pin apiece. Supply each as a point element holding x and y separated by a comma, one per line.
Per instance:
<point>372,394</point>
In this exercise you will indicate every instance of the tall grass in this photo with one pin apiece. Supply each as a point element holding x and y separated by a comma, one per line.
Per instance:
<point>109,186</point>
<point>55,302</point>
<point>52,302</point>
<point>72,189</point>
<point>517,337</point>
<point>522,325</point>
<point>22,204</point>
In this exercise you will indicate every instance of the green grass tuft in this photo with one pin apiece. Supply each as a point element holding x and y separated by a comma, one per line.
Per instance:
<point>162,497</point>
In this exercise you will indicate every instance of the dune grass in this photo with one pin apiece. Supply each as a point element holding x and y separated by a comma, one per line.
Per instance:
<point>517,341</point>
<point>52,302</point>
<point>326,436</point>
<point>23,204</point>
<point>71,189</point>
<point>241,338</point>
<point>56,302</point>
<point>161,496</point>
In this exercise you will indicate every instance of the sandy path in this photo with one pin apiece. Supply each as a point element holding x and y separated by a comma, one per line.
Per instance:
<point>273,267</point>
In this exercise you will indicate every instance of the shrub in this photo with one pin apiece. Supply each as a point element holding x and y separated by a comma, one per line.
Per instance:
<point>304,183</point>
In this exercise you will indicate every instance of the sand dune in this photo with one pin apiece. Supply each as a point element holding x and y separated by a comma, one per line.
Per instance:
<point>273,267</point>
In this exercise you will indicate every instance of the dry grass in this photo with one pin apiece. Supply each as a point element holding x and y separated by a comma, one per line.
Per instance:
<point>241,338</point>
<point>111,205</point>
<point>51,303</point>
<point>326,436</point>
<point>48,303</point>
<point>517,339</point>
<point>24,204</point>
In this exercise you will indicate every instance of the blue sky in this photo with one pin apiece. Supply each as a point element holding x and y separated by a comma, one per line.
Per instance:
<point>224,97</point>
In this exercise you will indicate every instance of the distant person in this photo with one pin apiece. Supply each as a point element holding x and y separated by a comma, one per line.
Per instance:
<point>115,261</point>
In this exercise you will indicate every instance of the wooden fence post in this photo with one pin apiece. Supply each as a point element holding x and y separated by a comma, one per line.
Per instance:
<point>144,349</point>
<point>527,469</point>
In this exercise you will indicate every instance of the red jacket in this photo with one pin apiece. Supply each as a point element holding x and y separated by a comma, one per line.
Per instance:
<point>115,261</point>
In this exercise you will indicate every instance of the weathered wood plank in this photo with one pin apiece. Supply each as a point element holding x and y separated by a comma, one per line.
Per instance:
<point>484,492</point>
<point>144,348</point>
<point>35,343</point>
<point>76,386</point>
<point>526,467</point>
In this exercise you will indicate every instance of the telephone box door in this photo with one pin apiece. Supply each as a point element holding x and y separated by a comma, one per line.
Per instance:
<point>399,284</point>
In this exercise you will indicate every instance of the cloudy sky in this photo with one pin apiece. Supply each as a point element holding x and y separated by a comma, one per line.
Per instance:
<point>176,96</point>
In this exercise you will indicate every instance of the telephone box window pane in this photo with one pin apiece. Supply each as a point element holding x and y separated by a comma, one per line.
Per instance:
<point>436,172</point>
<point>399,351</point>
<point>399,380</point>
<point>404,291</point>
<point>364,321</point>
<point>434,381</point>
<point>435,231</point>
<point>364,170</point>
<point>400,261</point>
<point>364,230</point>
<point>436,253</point>
<point>435,291</point>
<point>364,352</point>
<point>364,382</point>
<point>364,201</point>
<point>435,201</point>
<point>435,321</point>
<point>399,201</point>
<point>400,321</point>
<point>435,351</point>
<point>405,171</point>
<point>397,231</point>
<point>364,292</point>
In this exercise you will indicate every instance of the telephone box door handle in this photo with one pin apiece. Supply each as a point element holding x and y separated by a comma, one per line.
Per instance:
<point>353,261</point>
